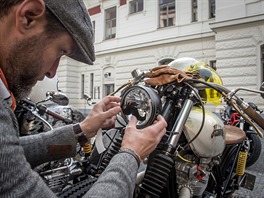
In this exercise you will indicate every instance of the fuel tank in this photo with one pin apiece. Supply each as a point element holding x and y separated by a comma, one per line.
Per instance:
<point>211,140</point>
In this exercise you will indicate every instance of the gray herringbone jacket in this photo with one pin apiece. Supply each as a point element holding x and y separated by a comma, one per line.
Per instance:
<point>17,179</point>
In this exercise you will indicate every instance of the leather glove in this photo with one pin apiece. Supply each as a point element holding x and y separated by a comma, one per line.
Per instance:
<point>164,74</point>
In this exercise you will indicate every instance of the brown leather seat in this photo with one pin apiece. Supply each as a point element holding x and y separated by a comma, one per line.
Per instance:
<point>234,135</point>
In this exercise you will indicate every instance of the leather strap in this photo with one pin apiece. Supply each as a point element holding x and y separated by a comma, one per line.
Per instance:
<point>79,135</point>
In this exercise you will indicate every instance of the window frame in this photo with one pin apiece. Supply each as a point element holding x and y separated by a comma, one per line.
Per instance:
<point>112,28</point>
<point>92,85</point>
<point>82,85</point>
<point>262,61</point>
<point>212,8</point>
<point>212,64</point>
<point>108,87</point>
<point>93,22</point>
<point>136,4</point>
<point>194,10</point>
<point>166,3</point>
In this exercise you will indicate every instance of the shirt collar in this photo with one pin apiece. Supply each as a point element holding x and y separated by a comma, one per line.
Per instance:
<point>4,93</point>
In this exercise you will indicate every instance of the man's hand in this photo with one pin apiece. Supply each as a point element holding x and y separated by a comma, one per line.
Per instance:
<point>144,141</point>
<point>103,115</point>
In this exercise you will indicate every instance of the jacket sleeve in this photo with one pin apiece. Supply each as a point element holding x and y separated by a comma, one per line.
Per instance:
<point>118,179</point>
<point>53,145</point>
<point>17,179</point>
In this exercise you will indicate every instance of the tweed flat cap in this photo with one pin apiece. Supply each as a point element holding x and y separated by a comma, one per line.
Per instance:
<point>74,16</point>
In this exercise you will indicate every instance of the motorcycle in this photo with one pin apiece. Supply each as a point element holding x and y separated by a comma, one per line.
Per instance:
<point>198,156</point>
<point>231,117</point>
<point>38,117</point>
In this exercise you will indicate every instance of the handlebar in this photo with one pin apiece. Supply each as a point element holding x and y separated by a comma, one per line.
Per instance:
<point>256,117</point>
<point>249,111</point>
<point>43,108</point>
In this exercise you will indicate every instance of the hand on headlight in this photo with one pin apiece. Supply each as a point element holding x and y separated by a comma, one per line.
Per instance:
<point>103,115</point>
<point>143,141</point>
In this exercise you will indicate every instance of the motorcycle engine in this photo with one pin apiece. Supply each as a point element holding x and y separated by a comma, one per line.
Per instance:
<point>192,176</point>
<point>58,174</point>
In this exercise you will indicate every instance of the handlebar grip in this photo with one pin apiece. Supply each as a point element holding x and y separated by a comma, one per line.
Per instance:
<point>59,117</point>
<point>44,109</point>
<point>256,117</point>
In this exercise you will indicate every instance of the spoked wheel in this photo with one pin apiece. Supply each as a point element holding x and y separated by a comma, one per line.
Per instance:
<point>255,149</point>
<point>78,189</point>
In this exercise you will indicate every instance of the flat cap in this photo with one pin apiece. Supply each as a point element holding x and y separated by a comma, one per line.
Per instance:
<point>74,16</point>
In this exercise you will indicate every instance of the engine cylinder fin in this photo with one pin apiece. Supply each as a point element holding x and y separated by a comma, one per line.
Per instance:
<point>156,176</point>
<point>160,165</point>
<point>113,150</point>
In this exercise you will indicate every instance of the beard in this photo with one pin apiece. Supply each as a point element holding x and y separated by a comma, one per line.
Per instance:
<point>24,63</point>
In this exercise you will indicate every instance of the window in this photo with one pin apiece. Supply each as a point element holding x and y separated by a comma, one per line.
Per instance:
<point>92,85</point>
<point>135,6</point>
<point>167,13</point>
<point>108,89</point>
<point>211,8</point>
<point>212,64</point>
<point>110,23</point>
<point>82,86</point>
<point>262,60</point>
<point>194,11</point>
<point>97,92</point>
<point>94,28</point>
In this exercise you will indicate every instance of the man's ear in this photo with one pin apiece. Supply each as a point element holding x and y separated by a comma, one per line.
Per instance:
<point>29,14</point>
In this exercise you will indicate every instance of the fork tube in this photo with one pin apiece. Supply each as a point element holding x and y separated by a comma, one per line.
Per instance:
<point>180,122</point>
<point>167,109</point>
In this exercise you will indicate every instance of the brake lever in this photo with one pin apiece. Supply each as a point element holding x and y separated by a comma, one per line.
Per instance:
<point>247,117</point>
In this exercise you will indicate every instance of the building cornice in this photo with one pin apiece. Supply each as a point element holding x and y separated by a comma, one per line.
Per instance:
<point>240,21</point>
<point>156,43</point>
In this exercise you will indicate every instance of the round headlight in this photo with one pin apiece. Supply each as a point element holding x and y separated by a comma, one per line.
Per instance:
<point>141,102</point>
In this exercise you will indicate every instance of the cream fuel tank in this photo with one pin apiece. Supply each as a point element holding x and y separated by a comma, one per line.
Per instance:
<point>211,140</point>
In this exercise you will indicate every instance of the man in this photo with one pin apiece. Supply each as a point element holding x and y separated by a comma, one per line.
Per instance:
<point>34,34</point>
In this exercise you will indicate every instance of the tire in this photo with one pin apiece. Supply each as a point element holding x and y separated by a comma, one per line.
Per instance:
<point>255,149</point>
<point>78,189</point>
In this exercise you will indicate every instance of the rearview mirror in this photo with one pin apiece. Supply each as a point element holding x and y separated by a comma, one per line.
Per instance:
<point>58,98</point>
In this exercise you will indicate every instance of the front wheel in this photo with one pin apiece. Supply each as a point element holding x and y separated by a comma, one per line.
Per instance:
<point>255,149</point>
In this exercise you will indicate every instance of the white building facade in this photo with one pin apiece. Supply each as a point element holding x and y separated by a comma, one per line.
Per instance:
<point>131,34</point>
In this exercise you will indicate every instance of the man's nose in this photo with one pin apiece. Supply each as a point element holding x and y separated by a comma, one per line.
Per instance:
<point>52,72</point>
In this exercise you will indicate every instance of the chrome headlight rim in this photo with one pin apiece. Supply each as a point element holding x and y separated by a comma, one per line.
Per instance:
<point>148,104</point>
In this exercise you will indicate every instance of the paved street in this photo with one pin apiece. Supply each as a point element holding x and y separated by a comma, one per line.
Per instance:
<point>256,169</point>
